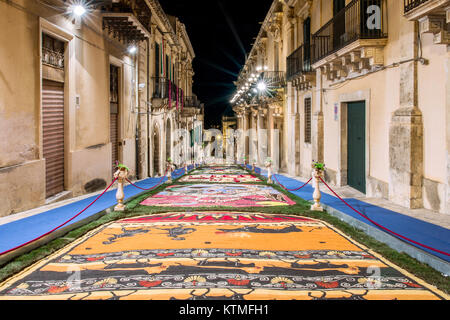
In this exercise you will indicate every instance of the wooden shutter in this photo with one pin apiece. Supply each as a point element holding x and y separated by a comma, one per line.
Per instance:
<point>53,135</point>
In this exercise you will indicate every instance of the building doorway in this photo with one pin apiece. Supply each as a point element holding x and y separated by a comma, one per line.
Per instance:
<point>156,151</point>
<point>168,139</point>
<point>356,145</point>
<point>53,135</point>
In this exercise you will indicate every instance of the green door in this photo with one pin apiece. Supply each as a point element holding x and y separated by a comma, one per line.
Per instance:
<point>356,177</point>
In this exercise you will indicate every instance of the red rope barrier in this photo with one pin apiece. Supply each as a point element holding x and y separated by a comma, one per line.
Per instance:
<point>385,229</point>
<point>46,234</point>
<point>152,188</point>
<point>275,176</point>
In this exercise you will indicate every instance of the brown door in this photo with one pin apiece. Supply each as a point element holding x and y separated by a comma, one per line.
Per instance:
<point>53,135</point>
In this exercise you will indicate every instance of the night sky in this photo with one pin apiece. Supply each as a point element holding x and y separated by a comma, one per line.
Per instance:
<point>221,32</point>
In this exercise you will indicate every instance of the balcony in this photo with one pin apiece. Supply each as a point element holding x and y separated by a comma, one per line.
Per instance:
<point>191,102</point>
<point>128,20</point>
<point>433,17</point>
<point>273,79</point>
<point>353,40</point>
<point>160,88</point>
<point>412,4</point>
<point>299,70</point>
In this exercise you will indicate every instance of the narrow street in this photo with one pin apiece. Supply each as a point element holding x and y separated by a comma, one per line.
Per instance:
<point>251,150</point>
<point>221,233</point>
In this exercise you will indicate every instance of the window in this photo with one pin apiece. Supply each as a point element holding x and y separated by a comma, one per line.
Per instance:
<point>157,62</point>
<point>114,85</point>
<point>167,68</point>
<point>307,44</point>
<point>308,120</point>
<point>52,52</point>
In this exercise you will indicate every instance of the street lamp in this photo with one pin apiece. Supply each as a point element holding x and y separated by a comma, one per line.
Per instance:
<point>78,10</point>
<point>262,86</point>
<point>132,49</point>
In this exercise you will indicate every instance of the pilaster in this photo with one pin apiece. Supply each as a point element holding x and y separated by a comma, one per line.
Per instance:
<point>406,133</point>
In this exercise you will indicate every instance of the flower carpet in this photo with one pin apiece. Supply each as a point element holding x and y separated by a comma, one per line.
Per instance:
<point>225,255</point>
<point>212,195</point>
<point>226,178</point>
<point>209,251</point>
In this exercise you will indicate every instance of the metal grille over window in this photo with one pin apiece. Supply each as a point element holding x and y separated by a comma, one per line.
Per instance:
<point>52,52</point>
<point>308,120</point>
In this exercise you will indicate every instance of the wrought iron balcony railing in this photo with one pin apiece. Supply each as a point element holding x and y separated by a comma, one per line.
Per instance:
<point>360,19</point>
<point>53,58</point>
<point>160,88</point>
<point>412,4</point>
<point>298,62</point>
<point>191,102</point>
<point>274,79</point>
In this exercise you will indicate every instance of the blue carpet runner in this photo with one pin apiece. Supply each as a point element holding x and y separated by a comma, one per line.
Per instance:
<point>18,232</point>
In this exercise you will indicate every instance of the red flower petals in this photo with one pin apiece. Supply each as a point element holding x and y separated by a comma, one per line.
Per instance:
<point>149,284</point>
<point>328,285</point>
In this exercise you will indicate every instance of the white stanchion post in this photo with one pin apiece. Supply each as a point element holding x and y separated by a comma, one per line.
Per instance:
<point>269,170</point>
<point>121,175</point>
<point>169,170</point>
<point>317,173</point>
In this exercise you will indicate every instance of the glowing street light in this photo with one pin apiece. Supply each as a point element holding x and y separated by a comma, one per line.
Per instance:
<point>262,86</point>
<point>132,49</point>
<point>78,10</point>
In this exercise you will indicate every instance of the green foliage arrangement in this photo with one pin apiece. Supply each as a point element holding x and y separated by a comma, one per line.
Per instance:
<point>122,166</point>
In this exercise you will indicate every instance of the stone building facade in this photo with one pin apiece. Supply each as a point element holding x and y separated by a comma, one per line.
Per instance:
<point>361,85</point>
<point>79,93</point>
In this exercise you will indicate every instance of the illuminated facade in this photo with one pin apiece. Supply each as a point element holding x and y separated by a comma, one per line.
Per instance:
<point>81,91</point>
<point>361,85</point>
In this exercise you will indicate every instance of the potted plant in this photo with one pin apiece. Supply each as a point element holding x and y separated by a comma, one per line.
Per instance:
<point>123,167</point>
<point>317,174</point>
<point>318,168</point>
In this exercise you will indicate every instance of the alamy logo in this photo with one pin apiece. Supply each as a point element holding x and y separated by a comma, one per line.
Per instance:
<point>374,19</point>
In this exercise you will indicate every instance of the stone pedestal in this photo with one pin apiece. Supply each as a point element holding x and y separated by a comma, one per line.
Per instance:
<point>317,196</point>
<point>121,176</point>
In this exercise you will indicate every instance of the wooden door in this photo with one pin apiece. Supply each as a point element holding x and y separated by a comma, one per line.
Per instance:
<point>356,176</point>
